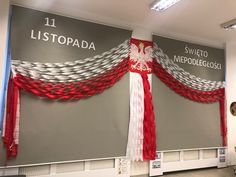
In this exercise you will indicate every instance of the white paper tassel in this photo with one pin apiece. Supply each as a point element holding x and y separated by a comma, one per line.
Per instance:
<point>135,138</point>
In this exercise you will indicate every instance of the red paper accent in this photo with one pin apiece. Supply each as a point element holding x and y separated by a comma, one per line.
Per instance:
<point>63,91</point>
<point>223,121</point>
<point>195,95</point>
<point>12,100</point>
<point>73,90</point>
<point>149,128</point>
<point>140,56</point>
<point>141,62</point>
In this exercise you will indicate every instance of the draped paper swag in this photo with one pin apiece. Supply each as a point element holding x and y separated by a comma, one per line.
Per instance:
<point>86,77</point>
<point>60,81</point>
<point>190,86</point>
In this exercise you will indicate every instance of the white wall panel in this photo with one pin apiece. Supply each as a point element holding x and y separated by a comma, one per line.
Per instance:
<point>231,97</point>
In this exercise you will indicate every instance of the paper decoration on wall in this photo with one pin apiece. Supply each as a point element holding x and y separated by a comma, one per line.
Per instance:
<point>140,58</point>
<point>11,120</point>
<point>60,81</point>
<point>142,134</point>
<point>87,77</point>
<point>190,86</point>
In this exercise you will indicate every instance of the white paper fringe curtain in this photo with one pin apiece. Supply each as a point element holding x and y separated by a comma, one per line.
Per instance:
<point>135,137</point>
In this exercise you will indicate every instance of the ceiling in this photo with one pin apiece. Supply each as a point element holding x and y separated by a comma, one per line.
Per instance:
<point>191,20</point>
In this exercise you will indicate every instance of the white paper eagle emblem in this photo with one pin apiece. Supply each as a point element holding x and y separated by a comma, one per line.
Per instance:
<point>140,57</point>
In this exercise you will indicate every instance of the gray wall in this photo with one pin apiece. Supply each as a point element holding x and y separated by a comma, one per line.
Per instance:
<point>184,124</point>
<point>52,131</point>
<point>181,123</point>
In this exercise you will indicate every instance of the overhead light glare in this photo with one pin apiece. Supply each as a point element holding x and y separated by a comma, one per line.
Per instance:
<point>234,26</point>
<point>161,5</point>
<point>229,25</point>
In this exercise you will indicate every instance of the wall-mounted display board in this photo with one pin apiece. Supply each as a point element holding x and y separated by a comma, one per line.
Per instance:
<point>52,131</point>
<point>181,123</point>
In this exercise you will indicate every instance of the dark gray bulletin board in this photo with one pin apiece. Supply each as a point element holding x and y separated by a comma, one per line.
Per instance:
<point>52,131</point>
<point>181,123</point>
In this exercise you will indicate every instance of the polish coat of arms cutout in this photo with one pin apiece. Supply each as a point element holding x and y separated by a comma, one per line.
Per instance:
<point>141,57</point>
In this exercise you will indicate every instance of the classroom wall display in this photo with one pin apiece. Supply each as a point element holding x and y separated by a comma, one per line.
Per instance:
<point>58,98</point>
<point>57,61</point>
<point>188,94</point>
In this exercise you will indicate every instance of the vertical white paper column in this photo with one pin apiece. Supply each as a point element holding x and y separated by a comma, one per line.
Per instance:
<point>140,168</point>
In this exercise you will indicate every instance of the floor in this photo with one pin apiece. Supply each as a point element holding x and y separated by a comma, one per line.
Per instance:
<point>211,172</point>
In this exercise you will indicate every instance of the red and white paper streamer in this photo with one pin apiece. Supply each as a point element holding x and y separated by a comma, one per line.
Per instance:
<point>142,134</point>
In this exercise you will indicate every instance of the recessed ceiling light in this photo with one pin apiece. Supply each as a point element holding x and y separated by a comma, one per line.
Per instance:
<point>229,25</point>
<point>161,5</point>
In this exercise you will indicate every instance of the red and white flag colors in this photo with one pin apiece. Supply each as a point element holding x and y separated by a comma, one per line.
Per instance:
<point>142,134</point>
<point>11,119</point>
<point>190,86</point>
<point>84,78</point>
<point>60,81</point>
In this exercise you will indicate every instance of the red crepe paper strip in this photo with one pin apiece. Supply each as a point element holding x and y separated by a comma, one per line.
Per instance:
<point>223,121</point>
<point>149,125</point>
<point>10,139</point>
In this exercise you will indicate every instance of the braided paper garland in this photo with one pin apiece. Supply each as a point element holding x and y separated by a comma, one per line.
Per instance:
<point>73,71</point>
<point>182,76</point>
<point>149,125</point>
<point>72,90</point>
<point>181,89</point>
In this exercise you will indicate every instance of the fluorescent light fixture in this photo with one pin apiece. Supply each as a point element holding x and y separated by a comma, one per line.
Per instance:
<point>229,25</point>
<point>161,5</point>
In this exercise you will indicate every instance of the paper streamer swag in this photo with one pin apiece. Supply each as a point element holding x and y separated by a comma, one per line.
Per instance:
<point>190,86</point>
<point>60,81</point>
<point>87,77</point>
